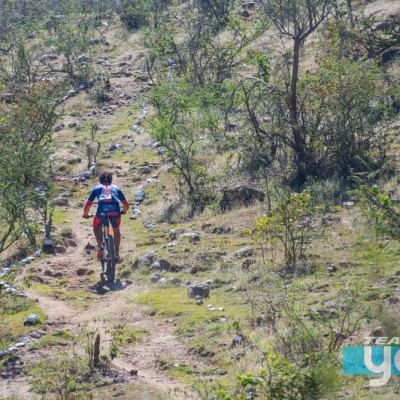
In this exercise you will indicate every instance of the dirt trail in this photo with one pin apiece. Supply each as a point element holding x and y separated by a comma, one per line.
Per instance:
<point>103,312</point>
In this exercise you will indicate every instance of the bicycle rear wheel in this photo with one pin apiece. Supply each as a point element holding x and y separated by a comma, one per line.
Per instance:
<point>111,260</point>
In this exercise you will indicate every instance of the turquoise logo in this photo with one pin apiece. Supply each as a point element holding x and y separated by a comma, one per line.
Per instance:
<point>372,360</point>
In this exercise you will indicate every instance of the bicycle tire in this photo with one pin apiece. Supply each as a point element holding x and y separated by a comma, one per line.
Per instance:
<point>105,246</point>
<point>111,260</point>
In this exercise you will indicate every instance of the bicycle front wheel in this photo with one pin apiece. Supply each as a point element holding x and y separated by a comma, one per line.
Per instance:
<point>111,260</point>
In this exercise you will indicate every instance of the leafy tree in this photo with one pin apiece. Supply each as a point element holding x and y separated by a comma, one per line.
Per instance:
<point>297,20</point>
<point>25,135</point>
<point>182,125</point>
<point>193,94</point>
<point>73,42</point>
<point>343,116</point>
<point>136,14</point>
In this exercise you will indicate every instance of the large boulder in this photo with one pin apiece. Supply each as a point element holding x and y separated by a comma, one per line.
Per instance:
<point>199,289</point>
<point>240,195</point>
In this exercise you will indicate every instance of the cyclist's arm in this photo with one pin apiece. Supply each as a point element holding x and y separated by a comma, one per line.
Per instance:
<point>89,202</point>
<point>123,200</point>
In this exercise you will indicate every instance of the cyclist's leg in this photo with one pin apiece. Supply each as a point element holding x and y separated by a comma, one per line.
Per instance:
<point>97,234</point>
<point>97,229</point>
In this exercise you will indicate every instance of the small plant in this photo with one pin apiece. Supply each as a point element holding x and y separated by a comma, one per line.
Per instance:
<point>384,213</point>
<point>67,233</point>
<point>100,90</point>
<point>93,148</point>
<point>290,223</point>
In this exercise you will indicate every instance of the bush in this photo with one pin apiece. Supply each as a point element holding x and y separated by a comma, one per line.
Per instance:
<point>290,223</point>
<point>136,14</point>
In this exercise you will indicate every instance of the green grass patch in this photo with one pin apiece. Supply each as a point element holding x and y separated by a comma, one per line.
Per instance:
<point>79,299</point>
<point>60,216</point>
<point>12,317</point>
<point>59,338</point>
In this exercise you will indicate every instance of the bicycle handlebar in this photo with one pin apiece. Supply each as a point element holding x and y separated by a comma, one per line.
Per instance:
<point>93,215</point>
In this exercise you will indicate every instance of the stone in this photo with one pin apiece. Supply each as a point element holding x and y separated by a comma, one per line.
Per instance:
<point>331,268</point>
<point>240,195</point>
<point>139,195</point>
<point>114,147</point>
<point>73,160</point>
<point>161,150</point>
<point>144,170</point>
<point>164,264</point>
<point>244,252</point>
<point>155,278</point>
<point>37,253</point>
<point>237,340</point>
<point>31,319</point>
<point>48,57</point>
<point>219,230</point>
<point>186,282</point>
<point>378,332</point>
<point>174,279</point>
<point>84,271</point>
<point>199,289</point>
<point>324,313</point>
<point>199,302</point>
<point>90,247</point>
<point>348,203</point>
<point>146,260</point>
<point>193,236</point>
<point>61,201</point>
<point>59,249</point>
<point>35,335</point>
<point>156,265</point>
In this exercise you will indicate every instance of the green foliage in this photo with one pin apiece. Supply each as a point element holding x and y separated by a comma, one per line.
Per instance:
<point>122,335</point>
<point>384,213</point>
<point>290,223</point>
<point>63,375</point>
<point>73,41</point>
<point>136,14</point>
<point>183,126</point>
<point>218,10</point>
<point>261,60</point>
<point>278,379</point>
<point>331,120</point>
<point>25,135</point>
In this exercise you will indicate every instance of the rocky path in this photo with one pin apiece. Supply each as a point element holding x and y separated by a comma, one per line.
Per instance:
<point>142,363</point>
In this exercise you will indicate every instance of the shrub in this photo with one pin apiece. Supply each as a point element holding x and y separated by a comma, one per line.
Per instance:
<point>290,223</point>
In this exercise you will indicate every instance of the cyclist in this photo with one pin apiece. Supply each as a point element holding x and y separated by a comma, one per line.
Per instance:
<point>108,198</point>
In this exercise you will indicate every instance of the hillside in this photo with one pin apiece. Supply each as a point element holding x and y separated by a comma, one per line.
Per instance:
<point>276,201</point>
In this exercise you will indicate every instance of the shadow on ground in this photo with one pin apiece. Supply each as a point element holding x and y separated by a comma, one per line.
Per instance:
<point>118,285</point>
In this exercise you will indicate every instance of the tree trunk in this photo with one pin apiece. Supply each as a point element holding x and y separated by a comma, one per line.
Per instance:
<point>300,151</point>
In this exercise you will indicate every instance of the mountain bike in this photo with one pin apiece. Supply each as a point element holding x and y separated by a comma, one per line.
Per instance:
<point>108,261</point>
